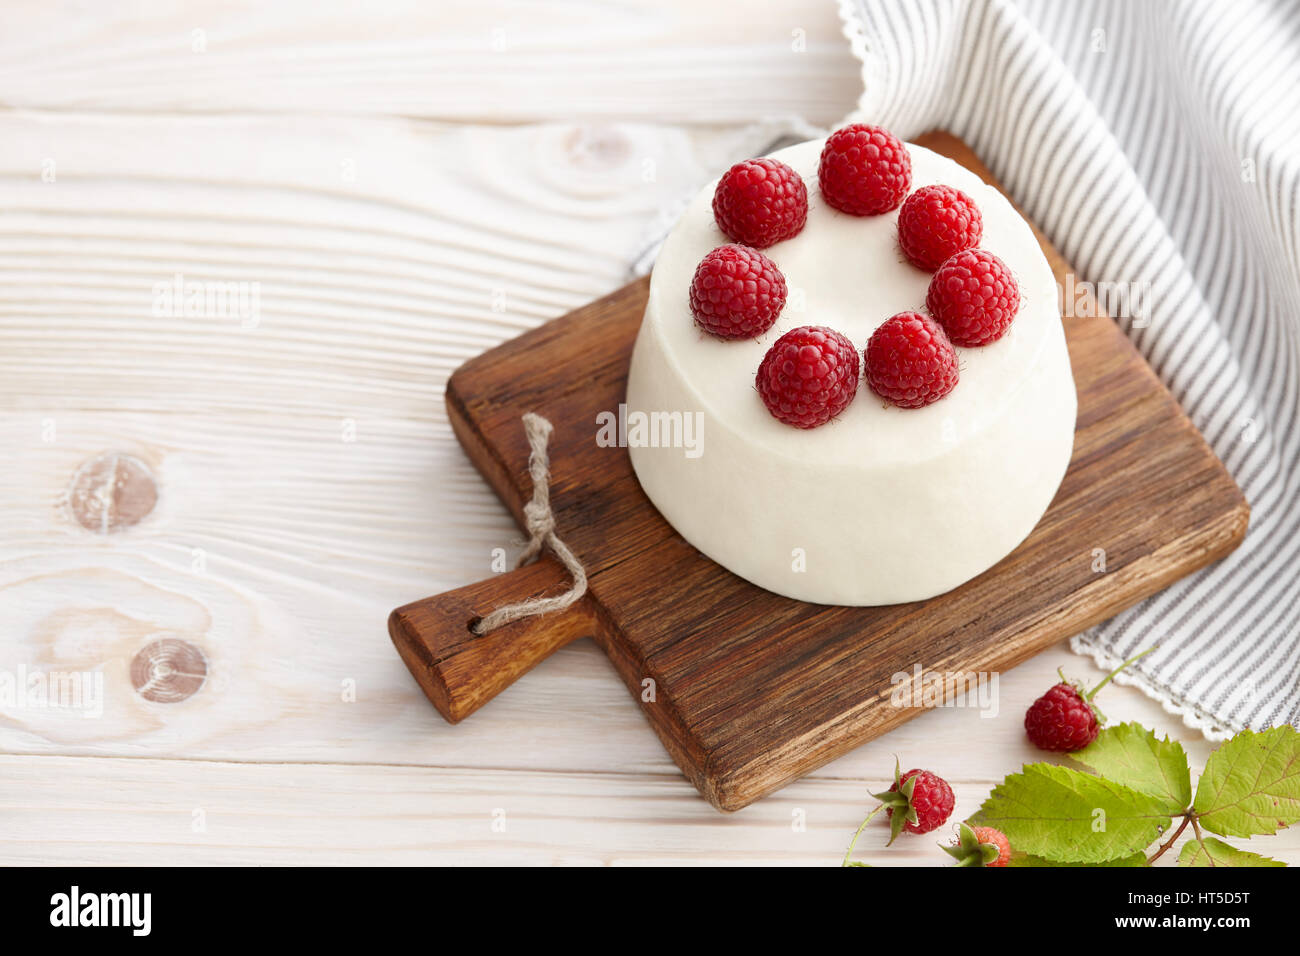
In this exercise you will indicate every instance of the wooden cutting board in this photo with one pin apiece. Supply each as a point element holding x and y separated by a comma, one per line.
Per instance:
<point>749,690</point>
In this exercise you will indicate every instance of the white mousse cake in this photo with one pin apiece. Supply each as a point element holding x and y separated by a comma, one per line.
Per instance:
<point>881,504</point>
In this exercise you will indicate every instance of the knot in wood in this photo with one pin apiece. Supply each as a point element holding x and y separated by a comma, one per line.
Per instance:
<point>168,670</point>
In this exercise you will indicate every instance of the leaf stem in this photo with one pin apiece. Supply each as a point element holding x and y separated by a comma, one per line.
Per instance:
<point>1108,677</point>
<point>1187,818</point>
<point>849,853</point>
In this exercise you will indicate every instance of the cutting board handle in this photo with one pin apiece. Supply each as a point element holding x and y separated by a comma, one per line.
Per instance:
<point>460,671</point>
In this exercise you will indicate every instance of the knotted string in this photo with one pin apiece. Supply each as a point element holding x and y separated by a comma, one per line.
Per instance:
<point>540,522</point>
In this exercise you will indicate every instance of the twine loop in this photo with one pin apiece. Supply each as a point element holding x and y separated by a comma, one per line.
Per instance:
<point>539,520</point>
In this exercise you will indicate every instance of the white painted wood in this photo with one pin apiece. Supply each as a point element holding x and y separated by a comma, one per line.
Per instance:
<point>498,61</point>
<point>115,810</point>
<point>307,480</point>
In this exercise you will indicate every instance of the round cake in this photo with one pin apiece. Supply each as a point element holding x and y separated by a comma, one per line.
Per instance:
<point>881,504</point>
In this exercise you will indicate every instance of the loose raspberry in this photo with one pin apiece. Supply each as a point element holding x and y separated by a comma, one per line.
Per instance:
<point>808,376</point>
<point>760,202</point>
<point>864,170</point>
<point>910,362</point>
<point>923,800</point>
<point>737,292</point>
<point>991,837</point>
<point>980,846</point>
<point>1065,719</point>
<point>1061,720</point>
<point>936,223</point>
<point>974,296</point>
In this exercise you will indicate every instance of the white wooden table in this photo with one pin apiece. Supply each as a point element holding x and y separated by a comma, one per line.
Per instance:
<point>403,189</point>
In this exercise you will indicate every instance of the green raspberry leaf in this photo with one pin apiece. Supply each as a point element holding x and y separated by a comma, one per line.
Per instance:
<point>1211,852</point>
<point>1026,859</point>
<point>1069,816</point>
<point>1251,784</point>
<point>1131,755</point>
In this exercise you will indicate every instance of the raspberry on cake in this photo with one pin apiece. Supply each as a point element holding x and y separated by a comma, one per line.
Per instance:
<point>974,296</point>
<point>760,202</point>
<point>910,362</point>
<point>864,170</point>
<point>808,376</point>
<point>737,292</point>
<point>936,223</point>
<point>886,505</point>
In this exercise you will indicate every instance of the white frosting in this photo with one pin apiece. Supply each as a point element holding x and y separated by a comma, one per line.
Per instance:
<point>882,504</point>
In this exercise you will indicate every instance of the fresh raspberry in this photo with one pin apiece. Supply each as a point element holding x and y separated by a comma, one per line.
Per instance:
<point>737,292</point>
<point>937,222</point>
<point>1061,720</point>
<point>808,376</point>
<point>864,170</point>
<point>974,296</point>
<point>760,202</point>
<point>931,798</point>
<point>991,837</point>
<point>923,800</point>
<point>910,362</point>
<point>979,846</point>
<point>1065,719</point>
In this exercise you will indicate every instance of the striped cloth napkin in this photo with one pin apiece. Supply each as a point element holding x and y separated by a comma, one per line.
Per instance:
<point>1158,145</point>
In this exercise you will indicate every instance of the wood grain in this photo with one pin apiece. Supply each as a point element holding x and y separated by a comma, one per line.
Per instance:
<point>559,809</point>
<point>306,478</point>
<point>499,61</point>
<point>459,670</point>
<point>213,813</point>
<point>396,248</point>
<point>752,690</point>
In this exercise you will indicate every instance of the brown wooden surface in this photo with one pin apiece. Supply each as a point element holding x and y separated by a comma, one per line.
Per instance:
<point>460,671</point>
<point>751,690</point>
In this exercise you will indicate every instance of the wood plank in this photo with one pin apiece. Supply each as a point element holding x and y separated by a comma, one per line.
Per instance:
<point>497,61</point>
<point>306,478</point>
<point>336,555</point>
<point>150,812</point>
<point>754,690</point>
